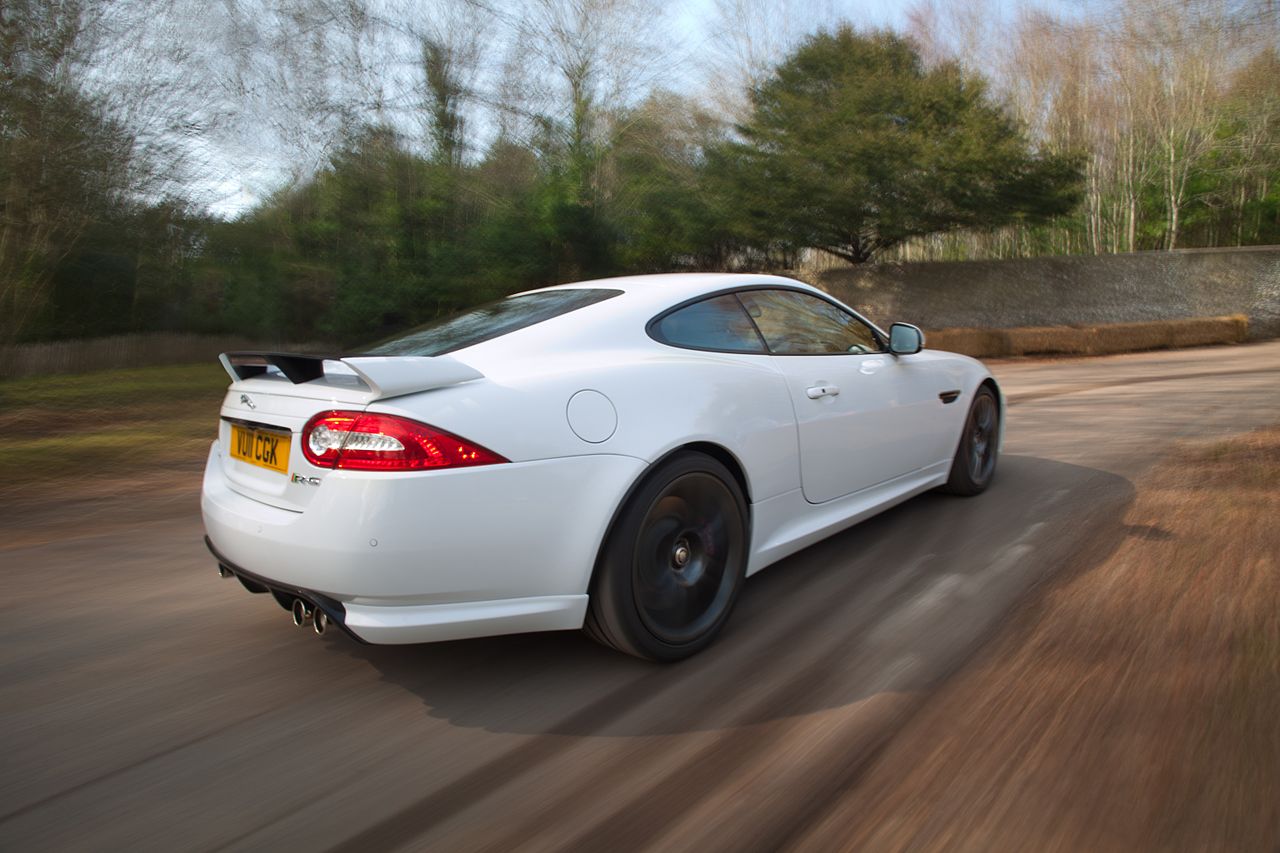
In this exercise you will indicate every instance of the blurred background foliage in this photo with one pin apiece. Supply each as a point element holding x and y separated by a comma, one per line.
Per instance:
<point>391,163</point>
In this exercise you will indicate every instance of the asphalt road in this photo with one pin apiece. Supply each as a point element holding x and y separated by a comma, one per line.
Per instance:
<point>145,704</point>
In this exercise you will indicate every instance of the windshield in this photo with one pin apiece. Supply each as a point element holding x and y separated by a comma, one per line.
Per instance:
<point>489,321</point>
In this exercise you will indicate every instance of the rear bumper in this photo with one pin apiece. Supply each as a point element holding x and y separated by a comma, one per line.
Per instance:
<point>438,622</point>
<point>428,623</point>
<point>425,557</point>
<point>283,594</point>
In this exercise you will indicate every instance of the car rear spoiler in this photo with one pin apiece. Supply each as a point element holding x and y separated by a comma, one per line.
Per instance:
<point>385,376</point>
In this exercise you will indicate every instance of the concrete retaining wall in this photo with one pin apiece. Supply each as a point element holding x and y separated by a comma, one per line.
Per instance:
<point>1069,291</point>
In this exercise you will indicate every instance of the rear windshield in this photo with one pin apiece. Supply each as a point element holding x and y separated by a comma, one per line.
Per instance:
<point>489,321</point>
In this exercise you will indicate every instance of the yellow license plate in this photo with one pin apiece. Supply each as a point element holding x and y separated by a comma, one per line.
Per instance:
<point>261,447</point>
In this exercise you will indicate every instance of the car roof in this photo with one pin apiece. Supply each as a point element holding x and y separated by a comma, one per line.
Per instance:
<point>618,321</point>
<point>666,289</point>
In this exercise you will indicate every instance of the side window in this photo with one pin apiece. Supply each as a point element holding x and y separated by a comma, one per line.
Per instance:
<point>795,323</point>
<point>719,323</point>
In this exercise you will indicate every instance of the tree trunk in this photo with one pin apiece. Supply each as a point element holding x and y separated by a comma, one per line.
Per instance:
<point>1171,240</point>
<point>855,252</point>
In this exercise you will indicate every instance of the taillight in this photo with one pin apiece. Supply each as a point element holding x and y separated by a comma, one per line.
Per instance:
<point>362,441</point>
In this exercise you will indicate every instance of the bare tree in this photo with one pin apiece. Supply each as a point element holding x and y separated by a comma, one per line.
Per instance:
<point>1178,52</point>
<point>94,123</point>
<point>1253,151</point>
<point>584,60</point>
<point>1139,86</point>
<point>746,39</point>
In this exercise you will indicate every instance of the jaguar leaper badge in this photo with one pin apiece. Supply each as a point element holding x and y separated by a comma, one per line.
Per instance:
<point>245,400</point>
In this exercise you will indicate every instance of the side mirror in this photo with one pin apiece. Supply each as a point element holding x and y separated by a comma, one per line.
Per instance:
<point>905,339</point>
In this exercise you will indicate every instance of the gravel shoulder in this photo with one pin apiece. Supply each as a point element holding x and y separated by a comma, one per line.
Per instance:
<point>1130,706</point>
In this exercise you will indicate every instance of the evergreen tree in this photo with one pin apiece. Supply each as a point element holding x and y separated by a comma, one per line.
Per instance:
<point>853,147</point>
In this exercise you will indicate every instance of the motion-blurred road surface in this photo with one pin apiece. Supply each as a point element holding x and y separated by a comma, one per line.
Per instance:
<point>149,705</point>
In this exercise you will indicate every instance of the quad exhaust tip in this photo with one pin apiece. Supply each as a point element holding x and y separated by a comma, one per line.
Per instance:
<point>304,613</point>
<point>301,612</point>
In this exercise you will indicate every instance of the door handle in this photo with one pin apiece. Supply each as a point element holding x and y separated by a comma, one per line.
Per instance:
<point>821,391</point>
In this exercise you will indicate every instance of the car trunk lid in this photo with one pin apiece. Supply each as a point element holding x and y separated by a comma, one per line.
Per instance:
<point>273,395</point>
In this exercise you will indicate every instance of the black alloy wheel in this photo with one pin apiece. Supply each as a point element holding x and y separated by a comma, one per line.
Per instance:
<point>974,465</point>
<point>674,563</point>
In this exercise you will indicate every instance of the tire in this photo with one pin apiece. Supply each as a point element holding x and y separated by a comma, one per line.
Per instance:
<point>672,567</point>
<point>975,463</point>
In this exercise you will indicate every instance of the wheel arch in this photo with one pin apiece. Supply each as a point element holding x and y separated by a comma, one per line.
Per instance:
<point>1002,406</point>
<point>725,457</point>
<point>718,452</point>
<point>990,382</point>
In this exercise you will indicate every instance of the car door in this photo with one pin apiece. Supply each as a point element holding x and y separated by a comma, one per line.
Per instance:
<point>863,416</point>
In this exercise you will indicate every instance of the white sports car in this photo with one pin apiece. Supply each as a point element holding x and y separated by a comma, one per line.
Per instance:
<point>617,454</point>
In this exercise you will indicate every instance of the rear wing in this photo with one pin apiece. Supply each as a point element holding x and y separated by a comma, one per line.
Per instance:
<point>386,376</point>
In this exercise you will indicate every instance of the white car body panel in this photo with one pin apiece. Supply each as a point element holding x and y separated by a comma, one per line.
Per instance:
<point>870,423</point>
<point>790,523</point>
<point>476,533</point>
<point>434,555</point>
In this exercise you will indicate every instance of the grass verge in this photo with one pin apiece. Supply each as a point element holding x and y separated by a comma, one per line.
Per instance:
<point>1133,706</point>
<point>110,424</point>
